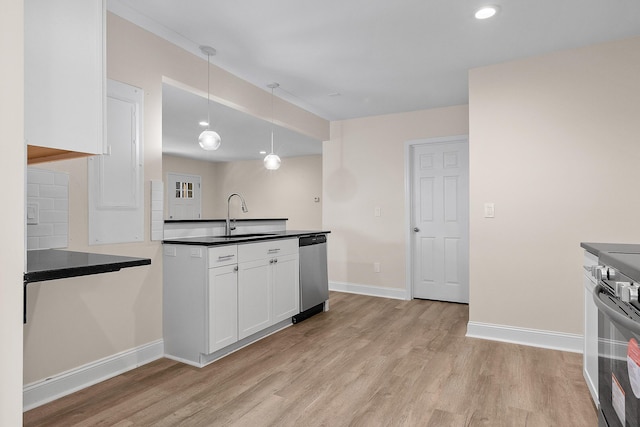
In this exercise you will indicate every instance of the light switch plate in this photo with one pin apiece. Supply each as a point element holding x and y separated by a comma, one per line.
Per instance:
<point>33,214</point>
<point>489,210</point>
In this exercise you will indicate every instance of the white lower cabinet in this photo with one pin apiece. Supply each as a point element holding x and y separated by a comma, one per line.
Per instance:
<point>216,297</point>
<point>254,299</point>
<point>286,287</point>
<point>268,284</point>
<point>223,307</point>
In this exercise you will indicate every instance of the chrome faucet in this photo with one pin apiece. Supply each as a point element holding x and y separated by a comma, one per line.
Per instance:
<point>229,228</point>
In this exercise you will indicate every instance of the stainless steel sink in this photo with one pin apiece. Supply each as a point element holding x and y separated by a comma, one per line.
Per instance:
<point>242,236</point>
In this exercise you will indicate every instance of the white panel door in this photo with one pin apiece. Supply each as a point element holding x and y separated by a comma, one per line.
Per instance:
<point>440,220</point>
<point>184,196</point>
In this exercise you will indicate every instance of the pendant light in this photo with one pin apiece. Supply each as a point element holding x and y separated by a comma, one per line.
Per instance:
<point>209,140</point>
<point>272,161</point>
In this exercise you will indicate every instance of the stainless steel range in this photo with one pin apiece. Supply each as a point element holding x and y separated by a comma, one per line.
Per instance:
<point>616,296</point>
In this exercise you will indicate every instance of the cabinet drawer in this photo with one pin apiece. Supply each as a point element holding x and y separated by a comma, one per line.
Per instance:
<point>223,255</point>
<point>270,248</point>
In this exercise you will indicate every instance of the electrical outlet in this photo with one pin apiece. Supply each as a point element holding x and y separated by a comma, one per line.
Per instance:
<point>376,267</point>
<point>377,211</point>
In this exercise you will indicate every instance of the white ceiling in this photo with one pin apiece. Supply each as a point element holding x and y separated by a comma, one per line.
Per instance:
<point>343,59</point>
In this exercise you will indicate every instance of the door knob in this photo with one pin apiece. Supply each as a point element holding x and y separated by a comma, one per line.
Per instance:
<point>416,229</point>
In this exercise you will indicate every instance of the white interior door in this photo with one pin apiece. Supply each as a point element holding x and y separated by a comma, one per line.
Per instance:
<point>183,196</point>
<point>440,220</point>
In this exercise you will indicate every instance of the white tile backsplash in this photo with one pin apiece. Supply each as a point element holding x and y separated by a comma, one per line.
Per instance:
<point>49,192</point>
<point>157,210</point>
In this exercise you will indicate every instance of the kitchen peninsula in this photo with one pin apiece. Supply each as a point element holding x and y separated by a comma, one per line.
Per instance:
<point>223,292</point>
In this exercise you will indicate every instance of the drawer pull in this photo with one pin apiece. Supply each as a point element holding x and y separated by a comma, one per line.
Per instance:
<point>274,251</point>
<point>225,257</point>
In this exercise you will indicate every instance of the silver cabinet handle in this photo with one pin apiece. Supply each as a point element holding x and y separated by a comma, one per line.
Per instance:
<point>225,257</point>
<point>271,261</point>
<point>416,229</point>
<point>273,251</point>
<point>235,268</point>
<point>275,260</point>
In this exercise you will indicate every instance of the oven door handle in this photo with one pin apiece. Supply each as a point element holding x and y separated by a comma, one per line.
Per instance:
<point>621,319</point>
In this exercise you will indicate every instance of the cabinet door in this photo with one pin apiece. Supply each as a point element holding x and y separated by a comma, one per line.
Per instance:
<point>64,74</point>
<point>223,307</point>
<point>254,297</point>
<point>286,288</point>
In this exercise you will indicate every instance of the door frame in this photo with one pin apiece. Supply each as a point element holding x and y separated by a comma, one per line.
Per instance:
<point>408,179</point>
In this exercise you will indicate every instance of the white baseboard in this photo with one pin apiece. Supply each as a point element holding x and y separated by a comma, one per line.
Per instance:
<point>41,392</point>
<point>531,337</point>
<point>374,291</point>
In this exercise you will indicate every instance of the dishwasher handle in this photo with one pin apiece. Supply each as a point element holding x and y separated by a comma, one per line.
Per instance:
<point>315,239</point>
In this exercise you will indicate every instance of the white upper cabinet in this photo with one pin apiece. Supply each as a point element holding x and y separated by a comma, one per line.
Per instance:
<point>65,74</point>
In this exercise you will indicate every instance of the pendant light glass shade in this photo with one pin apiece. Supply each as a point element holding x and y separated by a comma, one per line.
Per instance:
<point>272,160</point>
<point>209,140</point>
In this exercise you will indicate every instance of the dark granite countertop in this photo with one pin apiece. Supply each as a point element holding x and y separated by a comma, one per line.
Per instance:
<point>219,240</point>
<point>51,264</point>
<point>173,221</point>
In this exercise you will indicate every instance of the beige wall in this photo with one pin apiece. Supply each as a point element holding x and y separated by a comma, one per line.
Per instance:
<point>364,169</point>
<point>12,214</point>
<point>77,321</point>
<point>288,192</point>
<point>554,143</point>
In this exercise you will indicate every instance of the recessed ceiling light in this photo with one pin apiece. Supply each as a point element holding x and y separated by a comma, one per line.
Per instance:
<point>263,152</point>
<point>486,12</point>
<point>203,123</point>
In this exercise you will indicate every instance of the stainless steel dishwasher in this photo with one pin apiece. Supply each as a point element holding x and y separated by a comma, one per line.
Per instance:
<point>314,281</point>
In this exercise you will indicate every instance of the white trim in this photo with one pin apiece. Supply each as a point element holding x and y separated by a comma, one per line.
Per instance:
<point>47,390</point>
<point>531,337</point>
<point>408,145</point>
<point>374,291</point>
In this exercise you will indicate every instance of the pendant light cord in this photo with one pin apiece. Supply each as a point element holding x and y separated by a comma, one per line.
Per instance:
<point>272,119</point>
<point>208,90</point>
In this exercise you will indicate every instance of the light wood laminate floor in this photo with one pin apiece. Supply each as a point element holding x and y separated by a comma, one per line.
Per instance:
<point>367,362</point>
